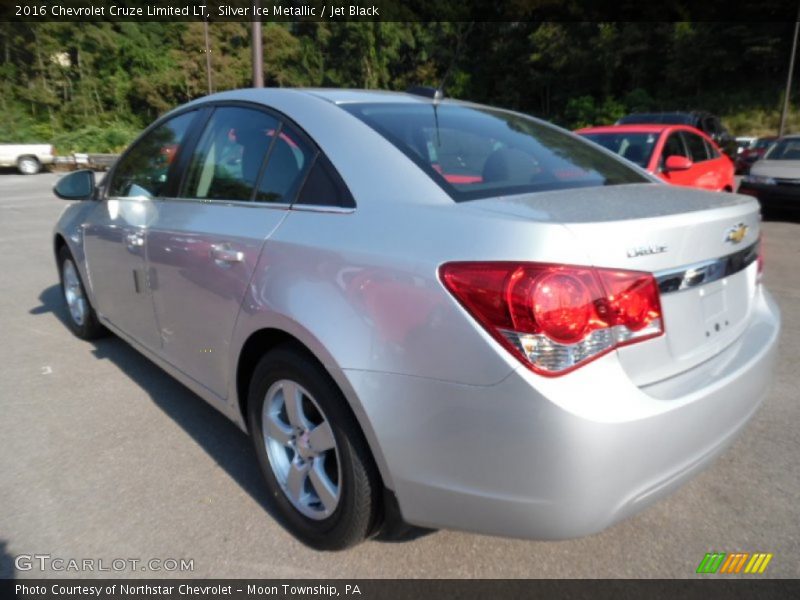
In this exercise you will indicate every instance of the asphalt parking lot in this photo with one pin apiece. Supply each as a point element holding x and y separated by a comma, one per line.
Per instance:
<point>104,456</point>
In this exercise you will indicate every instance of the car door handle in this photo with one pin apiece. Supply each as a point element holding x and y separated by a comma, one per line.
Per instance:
<point>222,253</point>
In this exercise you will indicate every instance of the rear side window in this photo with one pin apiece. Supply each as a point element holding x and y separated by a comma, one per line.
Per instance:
<point>228,158</point>
<point>476,152</point>
<point>324,187</point>
<point>287,164</point>
<point>143,171</point>
<point>696,146</point>
<point>711,150</point>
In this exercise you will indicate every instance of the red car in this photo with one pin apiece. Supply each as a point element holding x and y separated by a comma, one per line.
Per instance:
<point>753,152</point>
<point>678,154</point>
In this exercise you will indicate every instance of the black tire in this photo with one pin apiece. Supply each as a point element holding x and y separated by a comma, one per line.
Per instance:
<point>358,510</point>
<point>28,165</point>
<point>90,328</point>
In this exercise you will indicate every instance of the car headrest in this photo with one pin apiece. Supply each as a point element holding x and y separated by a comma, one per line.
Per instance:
<point>509,164</point>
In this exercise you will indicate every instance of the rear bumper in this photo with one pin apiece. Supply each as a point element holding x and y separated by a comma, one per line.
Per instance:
<point>554,458</point>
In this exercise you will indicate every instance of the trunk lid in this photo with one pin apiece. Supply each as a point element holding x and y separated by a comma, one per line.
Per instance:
<point>667,231</point>
<point>779,169</point>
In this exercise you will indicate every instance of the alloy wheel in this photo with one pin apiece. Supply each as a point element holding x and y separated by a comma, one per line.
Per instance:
<point>302,449</point>
<point>73,293</point>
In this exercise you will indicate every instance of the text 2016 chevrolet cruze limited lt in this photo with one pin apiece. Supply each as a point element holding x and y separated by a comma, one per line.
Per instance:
<point>450,312</point>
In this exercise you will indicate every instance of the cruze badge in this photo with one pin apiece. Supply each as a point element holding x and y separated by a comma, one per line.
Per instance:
<point>736,234</point>
<point>646,250</point>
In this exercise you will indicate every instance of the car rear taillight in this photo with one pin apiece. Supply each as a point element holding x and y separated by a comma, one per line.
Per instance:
<point>555,318</point>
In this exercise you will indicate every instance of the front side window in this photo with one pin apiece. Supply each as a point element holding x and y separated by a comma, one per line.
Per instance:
<point>636,147</point>
<point>474,152</point>
<point>143,171</point>
<point>227,161</point>
<point>673,147</point>
<point>696,146</point>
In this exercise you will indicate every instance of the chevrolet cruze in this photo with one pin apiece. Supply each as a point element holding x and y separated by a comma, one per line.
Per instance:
<point>427,311</point>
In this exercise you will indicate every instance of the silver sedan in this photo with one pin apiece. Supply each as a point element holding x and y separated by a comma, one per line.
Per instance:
<point>426,311</point>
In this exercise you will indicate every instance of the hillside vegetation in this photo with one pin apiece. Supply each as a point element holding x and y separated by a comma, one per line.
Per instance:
<point>92,87</point>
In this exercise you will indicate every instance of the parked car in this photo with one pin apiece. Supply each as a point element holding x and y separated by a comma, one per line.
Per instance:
<point>702,120</point>
<point>752,153</point>
<point>678,154</point>
<point>27,158</point>
<point>537,348</point>
<point>743,142</point>
<point>775,179</point>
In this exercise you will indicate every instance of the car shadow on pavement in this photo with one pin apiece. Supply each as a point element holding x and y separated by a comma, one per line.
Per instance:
<point>6,561</point>
<point>216,434</point>
<point>780,214</point>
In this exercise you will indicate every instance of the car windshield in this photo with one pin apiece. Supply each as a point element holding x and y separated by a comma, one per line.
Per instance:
<point>476,152</point>
<point>763,143</point>
<point>636,147</point>
<point>786,149</point>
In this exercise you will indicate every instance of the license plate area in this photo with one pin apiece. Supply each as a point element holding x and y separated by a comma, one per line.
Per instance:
<point>702,320</point>
<point>715,309</point>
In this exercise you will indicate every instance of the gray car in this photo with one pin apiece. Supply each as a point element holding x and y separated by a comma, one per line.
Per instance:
<point>426,311</point>
<point>775,179</point>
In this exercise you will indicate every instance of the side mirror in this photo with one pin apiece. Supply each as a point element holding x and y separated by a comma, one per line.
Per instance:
<point>79,185</point>
<point>677,163</point>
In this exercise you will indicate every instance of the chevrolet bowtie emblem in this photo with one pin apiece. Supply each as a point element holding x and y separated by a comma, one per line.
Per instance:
<point>736,233</point>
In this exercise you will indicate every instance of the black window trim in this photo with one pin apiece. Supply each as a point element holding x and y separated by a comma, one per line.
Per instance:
<point>323,162</point>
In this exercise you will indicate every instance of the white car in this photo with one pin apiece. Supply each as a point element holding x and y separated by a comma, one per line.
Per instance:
<point>27,158</point>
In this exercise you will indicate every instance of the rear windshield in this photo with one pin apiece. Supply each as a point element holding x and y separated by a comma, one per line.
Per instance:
<point>477,153</point>
<point>785,149</point>
<point>636,147</point>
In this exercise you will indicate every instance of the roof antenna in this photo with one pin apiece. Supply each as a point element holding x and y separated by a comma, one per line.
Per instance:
<point>438,95</point>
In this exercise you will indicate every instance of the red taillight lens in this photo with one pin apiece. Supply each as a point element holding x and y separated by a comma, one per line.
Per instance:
<point>562,306</point>
<point>555,317</point>
<point>633,297</point>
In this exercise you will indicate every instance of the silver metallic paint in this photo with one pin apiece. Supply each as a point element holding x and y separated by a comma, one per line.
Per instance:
<point>450,416</point>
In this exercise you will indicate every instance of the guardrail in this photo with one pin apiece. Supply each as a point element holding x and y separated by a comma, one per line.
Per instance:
<point>97,162</point>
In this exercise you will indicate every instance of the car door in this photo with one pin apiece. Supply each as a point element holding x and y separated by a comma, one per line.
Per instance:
<point>703,172</point>
<point>204,244</point>
<point>674,146</point>
<point>115,232</point>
